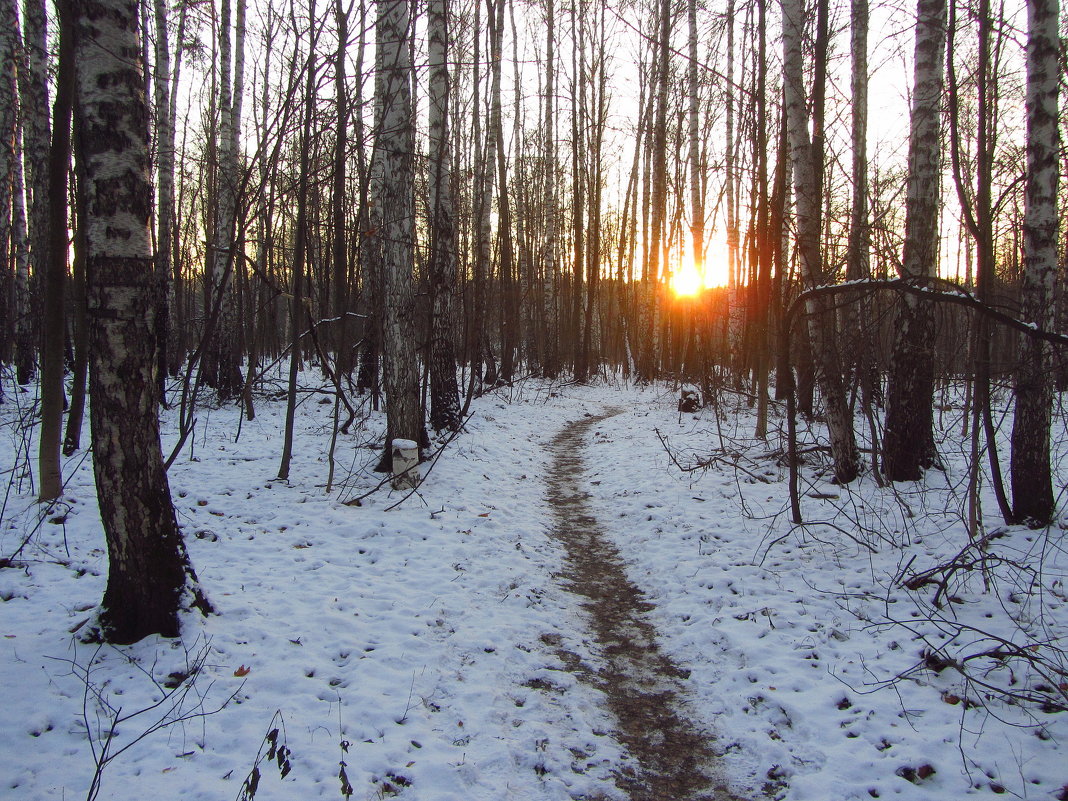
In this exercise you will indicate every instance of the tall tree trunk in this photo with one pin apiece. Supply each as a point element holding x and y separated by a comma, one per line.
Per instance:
<point>444,392</point>
<point>54,274</point>
<point>149,571</point>
<point>807,210</point>
<point>592,163</point>
<point>697,196</point>
<point>165,186</point>
<point>20,294</point>
<point>394,139</point>
<point>482,202</point>
<point>10,50</point>
<point>339,254</point>
<point>858,262</point>
<point>858,267</point>
<point>649,367</point>
<point>1032,489</point>
<point>731,181</point>
<point>72,436</point>
<point>300,247</point>
<point>550,356</point>
<point>34,108</point>
<point>222,357</point>
<point>977,212</point>
<point>766,237</point>
<point>175,283</point>
<point>579,122</point>
<point>908,443</point>
<point>369,377</point>
<point>495,16</point>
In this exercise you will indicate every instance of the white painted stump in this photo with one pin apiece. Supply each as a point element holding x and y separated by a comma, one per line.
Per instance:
<point>405,467</point>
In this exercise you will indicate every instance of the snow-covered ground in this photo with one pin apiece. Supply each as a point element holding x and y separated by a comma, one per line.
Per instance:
<point>418,644</point>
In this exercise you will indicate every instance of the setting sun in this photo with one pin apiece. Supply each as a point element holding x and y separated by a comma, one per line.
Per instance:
<point>688,281</point>
<point>693,276</point>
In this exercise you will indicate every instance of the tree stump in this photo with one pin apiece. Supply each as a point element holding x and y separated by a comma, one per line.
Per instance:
<point>689,401</point>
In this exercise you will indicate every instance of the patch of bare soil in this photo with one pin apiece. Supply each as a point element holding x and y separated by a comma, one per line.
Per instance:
<point>644,688</point>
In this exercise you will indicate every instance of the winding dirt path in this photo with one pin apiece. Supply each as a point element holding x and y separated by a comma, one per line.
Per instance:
<point>676,760</point>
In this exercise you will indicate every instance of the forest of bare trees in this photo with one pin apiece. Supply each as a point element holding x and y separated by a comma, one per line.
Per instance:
<point>421,201</point>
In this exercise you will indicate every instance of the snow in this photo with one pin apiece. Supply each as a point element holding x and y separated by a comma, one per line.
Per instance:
<point>420,638</point>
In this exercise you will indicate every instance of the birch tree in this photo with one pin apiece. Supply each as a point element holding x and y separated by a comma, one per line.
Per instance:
<point>482,188</point>
<point>9,53</point>
<point>648,366</point>
<point>594,168</point>
<point>339,255</point>
<point>805,170</point>
<point>444,392</point>
<point>149,571</point>
<point>165,138</point>
<point>697,195</point>
<point>1032,489</point>
<point>395,201</point>
<point>550,353</point>
<point>21,327</point>
<point>300,241</point>
<point>36,136</point>
<point>908,443</point>
<point>495,12</point>
<point>222,359</point>
<point>976,199</point>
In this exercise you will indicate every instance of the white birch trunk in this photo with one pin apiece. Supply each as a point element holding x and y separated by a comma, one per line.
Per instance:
<point>807,214</point>
<point>859,235</point>
<point>735,312</point>
<point>908,444</point>
<point>149,572</point>
<point>223,357</point>
<point>21,250</point>
<point>165,179</point>
<point>36,140</point>
<point>394,140</point>
<point>549,268</point>
<point>697,196</point>
<point>444,392</point>
<point>649,365</point>
<point>1032,489</point>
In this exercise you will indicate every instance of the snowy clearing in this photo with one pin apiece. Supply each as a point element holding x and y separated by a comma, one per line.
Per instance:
<point>419,645</point>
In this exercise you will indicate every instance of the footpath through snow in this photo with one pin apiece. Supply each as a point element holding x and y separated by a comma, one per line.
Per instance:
<point>642,687</point>
<point>434,651</point>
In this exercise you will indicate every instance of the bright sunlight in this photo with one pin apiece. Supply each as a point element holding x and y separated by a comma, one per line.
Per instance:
<point>691,277</point>
<point>688,281</point>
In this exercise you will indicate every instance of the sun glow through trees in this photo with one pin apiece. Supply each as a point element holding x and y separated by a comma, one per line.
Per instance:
<point>691,276</point>
<point>688,281</point>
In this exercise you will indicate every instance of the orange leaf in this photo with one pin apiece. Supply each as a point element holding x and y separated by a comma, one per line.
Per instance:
<point>484,514</point>
<point>242,671</point>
